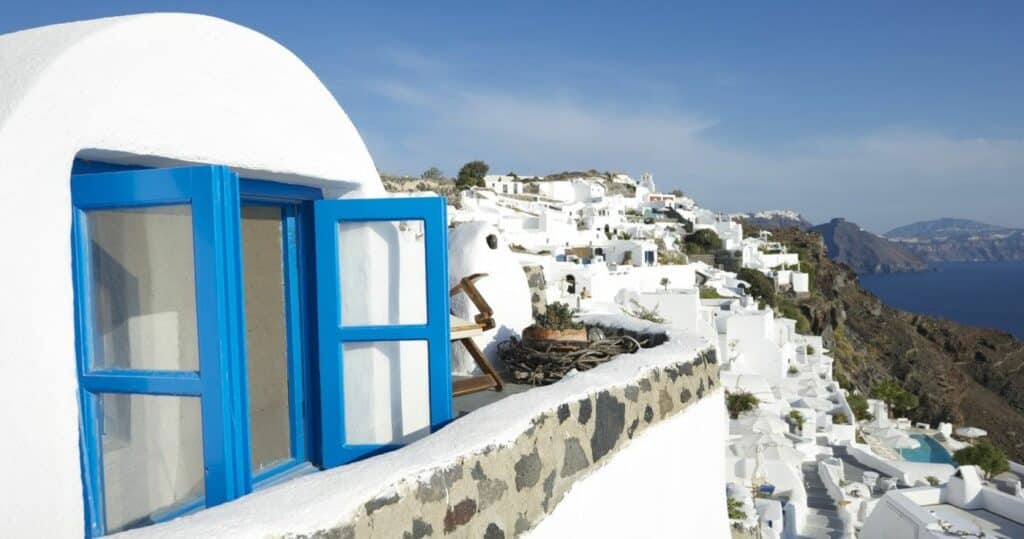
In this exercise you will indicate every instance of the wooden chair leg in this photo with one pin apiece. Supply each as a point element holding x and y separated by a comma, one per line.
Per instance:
<point>481,361</point>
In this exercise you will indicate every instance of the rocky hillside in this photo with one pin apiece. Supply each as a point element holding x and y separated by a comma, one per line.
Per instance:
<point>960,240</point>
<point>866,252</point>
<point>962,374</point>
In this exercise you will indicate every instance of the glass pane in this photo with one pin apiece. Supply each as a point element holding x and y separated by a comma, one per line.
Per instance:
<point>387,258</point>
<point>386,391</point>
<point>143,288</point>
<point>152,457</point>
<point>265,336</point>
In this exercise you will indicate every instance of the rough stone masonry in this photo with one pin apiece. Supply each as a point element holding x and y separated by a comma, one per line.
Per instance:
<point>506,490</point>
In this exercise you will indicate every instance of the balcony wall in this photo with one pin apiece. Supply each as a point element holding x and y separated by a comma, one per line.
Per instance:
<point>502,470</point>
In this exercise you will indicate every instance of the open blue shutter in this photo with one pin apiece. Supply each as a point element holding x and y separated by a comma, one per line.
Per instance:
<point>338,446</point>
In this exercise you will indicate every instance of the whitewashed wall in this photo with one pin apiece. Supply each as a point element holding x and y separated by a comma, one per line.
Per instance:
<point>148,90</point>
<point>650,489</point>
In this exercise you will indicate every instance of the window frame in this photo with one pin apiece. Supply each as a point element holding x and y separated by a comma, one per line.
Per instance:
<point>216,196</point>
<point>296,205</point>
<point>335,448</point>
<point>203,189</point>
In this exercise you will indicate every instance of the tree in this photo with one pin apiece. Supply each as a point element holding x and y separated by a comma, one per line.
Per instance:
<point>761,286</point>
<point>984,455</point>
<point>859,404</point>
<point>665,282</point>
<point>703,241</point>
<point>432,173</point>
<point>472,175</point>
<point>898,400</point>
<point>678,193</point>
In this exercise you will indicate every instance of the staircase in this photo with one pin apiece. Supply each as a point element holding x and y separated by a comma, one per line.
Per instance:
<point>822,518</point>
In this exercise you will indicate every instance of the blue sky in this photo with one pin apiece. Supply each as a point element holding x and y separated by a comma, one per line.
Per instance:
<point>885,113</point>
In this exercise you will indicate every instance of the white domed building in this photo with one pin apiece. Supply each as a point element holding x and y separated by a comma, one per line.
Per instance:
<point>166,184</point>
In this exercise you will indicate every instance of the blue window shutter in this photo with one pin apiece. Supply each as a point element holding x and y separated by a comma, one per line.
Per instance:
<point>332,333</point>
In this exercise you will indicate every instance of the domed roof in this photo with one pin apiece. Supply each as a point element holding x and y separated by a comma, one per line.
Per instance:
<point>168,88</point>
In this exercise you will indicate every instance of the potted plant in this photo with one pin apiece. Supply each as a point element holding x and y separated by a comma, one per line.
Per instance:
<point>738,402</point>
<point>556,324</point>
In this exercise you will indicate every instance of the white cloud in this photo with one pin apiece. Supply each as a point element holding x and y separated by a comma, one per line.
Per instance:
<point>881,179</point>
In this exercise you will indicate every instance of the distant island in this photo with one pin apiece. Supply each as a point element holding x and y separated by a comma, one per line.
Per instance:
<point>959,240</point>
<point>913,247</point>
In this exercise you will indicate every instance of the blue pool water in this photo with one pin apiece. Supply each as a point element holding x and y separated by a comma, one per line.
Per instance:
<point>928,451</point>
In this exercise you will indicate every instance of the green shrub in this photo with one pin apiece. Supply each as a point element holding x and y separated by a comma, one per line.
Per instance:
<point>793,370</point>
<point>840,419</point>
<point>843,381</point>
<point>739,402</point>
<point>797,419</point>
<point>735,509</point>
<point>859,404</point>
<point>932,480</point>
<point>761,287</point>
<point>702,241</point>
<point>898,400</point>
<point>984,455</point>
<point>706,292</point>
<point>788,310</point>
<point>558,317</point>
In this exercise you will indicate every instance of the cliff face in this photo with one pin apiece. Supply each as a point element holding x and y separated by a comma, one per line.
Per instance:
<point>963,374</point>
<point>866,252</point>
<point>960,240</point>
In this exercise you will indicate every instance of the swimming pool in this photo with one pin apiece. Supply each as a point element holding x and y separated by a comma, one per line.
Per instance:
<point>929,451</point>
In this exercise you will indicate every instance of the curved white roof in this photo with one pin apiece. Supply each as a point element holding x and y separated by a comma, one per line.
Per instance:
<point>181,87</point>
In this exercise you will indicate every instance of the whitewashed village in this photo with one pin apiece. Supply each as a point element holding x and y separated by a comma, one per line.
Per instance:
<point>559,355</point>
<point>800,461</point>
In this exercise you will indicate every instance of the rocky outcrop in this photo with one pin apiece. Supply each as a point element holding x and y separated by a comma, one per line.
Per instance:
<point>865,252</point>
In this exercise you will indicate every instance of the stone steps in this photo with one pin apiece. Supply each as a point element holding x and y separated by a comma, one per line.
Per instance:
<point>822,518</point>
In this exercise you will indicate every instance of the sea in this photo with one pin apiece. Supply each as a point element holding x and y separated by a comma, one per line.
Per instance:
<point>987,294</point>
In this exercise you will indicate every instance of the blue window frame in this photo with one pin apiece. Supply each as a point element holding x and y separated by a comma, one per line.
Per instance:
<point>215,199</point>
<point>335,332</point>
<point>295,206</point>
<point>217,339</point>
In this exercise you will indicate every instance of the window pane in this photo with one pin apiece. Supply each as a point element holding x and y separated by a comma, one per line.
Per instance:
<point>266,337</point>
<point>143,288</point>
<point>387,394</point>
<point>388,258</point>
<point>152,457</point>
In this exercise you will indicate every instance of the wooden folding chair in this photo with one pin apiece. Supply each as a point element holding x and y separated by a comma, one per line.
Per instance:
<point>463,331</point>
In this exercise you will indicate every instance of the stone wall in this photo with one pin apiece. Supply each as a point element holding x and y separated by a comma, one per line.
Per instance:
<point>537,283</point>
<point>506,490</point>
